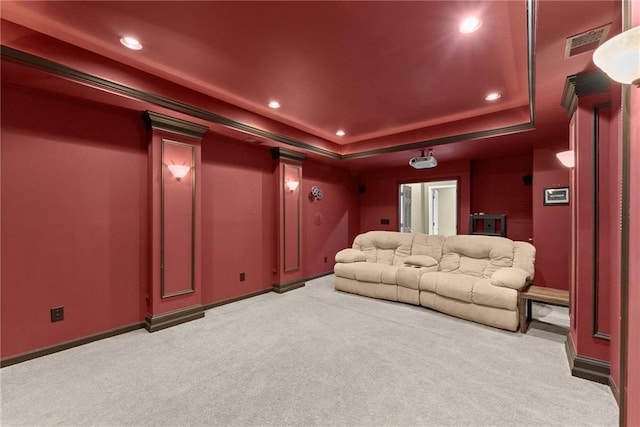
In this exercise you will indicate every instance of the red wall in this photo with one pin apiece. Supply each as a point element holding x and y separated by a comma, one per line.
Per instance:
<point>238,218</point>
<point>332,223</point>
<point>74,219</point>
<point>381,198</point>
<point>551,224</point>
<point>497,186</point>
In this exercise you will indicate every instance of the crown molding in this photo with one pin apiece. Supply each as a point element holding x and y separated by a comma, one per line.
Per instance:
<point>583,84</point>
<point>157,121</point>
<point>278,153</point>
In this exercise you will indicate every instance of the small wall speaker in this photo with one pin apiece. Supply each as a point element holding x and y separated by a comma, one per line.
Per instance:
<point>527,179</point>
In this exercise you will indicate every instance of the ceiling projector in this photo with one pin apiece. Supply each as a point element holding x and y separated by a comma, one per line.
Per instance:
<point>424,162</point>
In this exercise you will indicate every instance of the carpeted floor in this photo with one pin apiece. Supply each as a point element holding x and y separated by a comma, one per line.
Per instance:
<point>313,356</point>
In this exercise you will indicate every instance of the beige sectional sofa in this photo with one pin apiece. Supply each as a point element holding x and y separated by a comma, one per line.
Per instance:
<point>473,277</point>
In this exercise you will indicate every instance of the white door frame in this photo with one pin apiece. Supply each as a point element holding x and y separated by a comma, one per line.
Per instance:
<point>434,222</point>
<point>405,208</point>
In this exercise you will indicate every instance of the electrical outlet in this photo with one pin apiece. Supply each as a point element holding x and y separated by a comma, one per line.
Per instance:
<point>242,277</point>
<point>385,221</point>
<point>57,314</point>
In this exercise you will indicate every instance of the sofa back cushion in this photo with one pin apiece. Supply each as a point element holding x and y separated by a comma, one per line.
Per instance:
<point>475,255</point>
<point>384,247</point>
<point>425,244</point>
<point>524,257</point>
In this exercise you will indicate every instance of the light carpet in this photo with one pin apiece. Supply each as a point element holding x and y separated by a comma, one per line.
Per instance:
<point>313,356</point>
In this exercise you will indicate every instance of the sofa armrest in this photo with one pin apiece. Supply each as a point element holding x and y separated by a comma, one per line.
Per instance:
<point>510,277</point>
<point>420,261</point>
<point>350,255</point>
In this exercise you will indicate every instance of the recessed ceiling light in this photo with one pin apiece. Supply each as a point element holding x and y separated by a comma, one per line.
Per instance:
<point>340,133</point>
<point>131,43</point>
<point>470,24</point>
<point>274,104</point>
<point>492,96</point>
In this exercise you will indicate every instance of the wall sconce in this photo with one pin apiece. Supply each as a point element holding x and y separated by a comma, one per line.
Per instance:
<point>567,158</point>
<point>316,194</point>
<point>292,185</point>
<point>179,171</point>
<point>619,57</point>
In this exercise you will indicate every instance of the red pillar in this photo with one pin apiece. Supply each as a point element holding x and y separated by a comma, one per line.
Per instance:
<point>175,292</point>
<point>630,359</point>
<point>587,99</point>
<point>287,273</point>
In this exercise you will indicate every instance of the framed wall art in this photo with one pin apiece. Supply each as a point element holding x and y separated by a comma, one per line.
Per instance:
<point>556,196</point>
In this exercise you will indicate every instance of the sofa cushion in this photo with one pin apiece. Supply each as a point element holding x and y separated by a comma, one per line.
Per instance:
<point>409,277</point>
<point>350,255</point>
<point>474,255</point>
<point>384,247</point>
<point>428,282</point>
<point>484,293</point>
<point>524,257</point>
<point>376,273</point>
<point>347,270</point>
<point>512,277</point>
<point>389,275</point>
<point>420,261</point>
<point>452,285</point>
<point>426,244</point>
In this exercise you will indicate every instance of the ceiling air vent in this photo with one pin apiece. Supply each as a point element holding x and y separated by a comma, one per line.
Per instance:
<point>584,42</point>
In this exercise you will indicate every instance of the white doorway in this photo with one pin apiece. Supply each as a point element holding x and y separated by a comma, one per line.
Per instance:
<point>429,207</point>
<point>442,203</point>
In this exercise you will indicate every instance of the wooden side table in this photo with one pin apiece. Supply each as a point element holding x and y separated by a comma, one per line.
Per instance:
<point>540,294</point>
